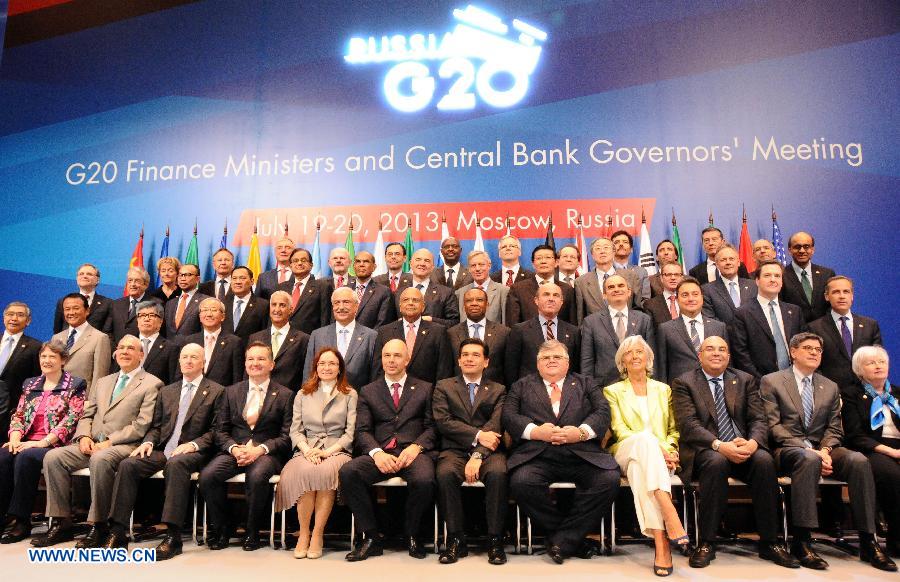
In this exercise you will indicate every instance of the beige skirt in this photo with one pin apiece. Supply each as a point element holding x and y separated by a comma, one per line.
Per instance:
<point>300,476</point>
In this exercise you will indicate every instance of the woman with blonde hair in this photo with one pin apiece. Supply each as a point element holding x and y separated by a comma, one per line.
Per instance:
<point>167,269</point>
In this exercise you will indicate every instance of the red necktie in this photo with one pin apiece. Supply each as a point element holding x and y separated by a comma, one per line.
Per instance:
<point>395,396</point>
<point>282,274</point>
<point>295,296</point>
<point>550,335</point>
<point>340,281</point>
<point>672,311</point>
<point>555,396</point>
<point>509,278</point>
<point>393,283</point>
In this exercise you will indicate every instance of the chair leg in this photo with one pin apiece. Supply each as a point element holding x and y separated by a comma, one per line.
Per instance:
<point>784,519</point>
<point>528,528</point>
<point>205,532</point>
<point>696,519</point>
<point>518,530</point>
<point>352,530</point>
<point>272,519</point>
<point>283,529</point>
<point>612,528</point>
<point>437,548</point>
<point>131,525</point>
<point>194,522</point>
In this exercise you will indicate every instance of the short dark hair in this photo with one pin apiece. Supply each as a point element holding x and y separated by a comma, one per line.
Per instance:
<point>80,297</point>
<point>759,267</point>
<point>259,344</point>
<point>711,229</point>
<point>626,233</point>
<point>662,242</point>
<point>474,341</point>
<point>803,336</point>
<point>245,268</point>
<point>391,244</point>
<point>577,250</point>
<point>301,250</point>
<point>688,281</point>
<point>543,248</point>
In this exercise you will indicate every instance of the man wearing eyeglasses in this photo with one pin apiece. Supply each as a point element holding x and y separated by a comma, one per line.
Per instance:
<point>804,281</point>
<point>663,306</point>
<point>803,410</point>
<point>160,354</point>
<point>310,301</point>
<point>182,317</point>
<point>223,351</point>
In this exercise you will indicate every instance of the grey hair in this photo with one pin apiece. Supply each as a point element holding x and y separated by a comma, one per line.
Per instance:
<point>627,344</point>
<point>867,352</point>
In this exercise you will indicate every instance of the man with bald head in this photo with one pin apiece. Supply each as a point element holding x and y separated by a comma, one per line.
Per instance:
<point>288,344</point>
<point>441,304</point>
<point>376,303</point>
<point>429,349</point>
<point>354,341</point>
<point>453,273</point>
<point>804,282</point>
<point>763,250</point>
<point>395,436</point>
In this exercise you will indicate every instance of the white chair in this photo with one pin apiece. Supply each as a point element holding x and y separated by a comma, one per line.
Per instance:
<point>784,482</point>
<point>623,482</point>
<point>476,484</point>
<point>273,481</point>
<point>394,482</point>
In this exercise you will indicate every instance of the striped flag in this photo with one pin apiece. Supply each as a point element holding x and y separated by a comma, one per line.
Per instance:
<point>224,242</point>
<point>645,255</point>
<point>380,264</point>
<point>548,240</point>
<point>777,241</point>
<point>445,234</point>
<point>582,249</point>
<point>317,253</point>
<point>137,259</point>
<point>745,248</point>
<point>163,252</point>
<point>253,261</point>
<point>676,240</point>
<point>479,241</point>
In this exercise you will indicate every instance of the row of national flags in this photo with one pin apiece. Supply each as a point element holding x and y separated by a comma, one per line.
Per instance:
<point>646,250</point>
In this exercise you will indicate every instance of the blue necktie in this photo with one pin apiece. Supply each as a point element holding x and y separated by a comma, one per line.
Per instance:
<point>71,341</point>
<point>735,296</point>
<point>6,353</point>
<point>473,388</point>
<point>179,420</point>
<point>475,330</point>
<point>781,351</point>
<point>236,316</point>
<point>723,419</point>
<point>806,398</point>
<point>342,342</point>
<point>845,335</point>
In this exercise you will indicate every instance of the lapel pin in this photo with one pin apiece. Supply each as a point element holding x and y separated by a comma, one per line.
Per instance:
<point>860,325</point>
<point>865,396</point>
<point>567,335</point>
<point>205,393</point>
<point>489,335</point>
<point>222,343</point>
<point>412,387</point>
<point>424,331</point>
<point>273,394</point>
<point>734,381</point>
<point>790,312</point>
<point>291,339</point>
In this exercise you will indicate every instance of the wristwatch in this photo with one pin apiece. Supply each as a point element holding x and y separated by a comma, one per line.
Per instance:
<point>716,444</point>
<point>476,455</point>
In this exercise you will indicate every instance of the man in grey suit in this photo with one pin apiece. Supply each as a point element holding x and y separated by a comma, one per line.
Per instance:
<point>589,287</point>
<point>480,269</point>
<point>89,351</point>
<point>603,331</point>
<point>678,340</point>
<point>354,341</point>
<point>180,442</point>
<point>183,314</point>
<point>803,410</point>
<point>475,325</point>
<point>116,417</point>
<point>728,291</point>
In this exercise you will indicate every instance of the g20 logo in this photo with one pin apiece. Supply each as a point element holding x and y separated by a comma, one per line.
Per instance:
<point>481,58</point>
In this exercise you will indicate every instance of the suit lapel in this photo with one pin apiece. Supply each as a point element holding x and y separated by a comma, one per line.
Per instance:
<point>793,392</point>
<point>606,320</point>
<point>683,333</point>
<point>271,393</point>
<point>462,392</point>
<point>706,393</point>
<point>354,343</point>
<point>787,316</point>
<point>730,384</point>
<point>288,341</point>
<point>593,288</point>
<point>80,342</point>
<point>569,393</point>
<point>832,332</point>
<point>132,385</point>
<point>762,321</point>
<point>199,396</point>
<point>420,337</point>
<point>408,390</point>
<point>859,333</point>
<point>544,398</point>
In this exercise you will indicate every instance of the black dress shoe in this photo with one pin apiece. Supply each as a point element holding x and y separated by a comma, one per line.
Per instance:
<point>871,552</point>
<point>57,534</point>
<point>251,542</point>
<point>366,549</point>
<point>808,558</point>
<point>116,539</point>
<point>588,549</point>
<point>414,548</point>
<point>94,538</point>
<point>456,549</point>
<point>18,532</point>
<point>703,555</point>
<point>496,553</point>
<point>218,540</point>
<point>168,548</point>
<point>775,552</point>
<point>555,553</point>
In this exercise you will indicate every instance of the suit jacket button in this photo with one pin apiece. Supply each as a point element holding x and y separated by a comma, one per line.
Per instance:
<point>396,416</point>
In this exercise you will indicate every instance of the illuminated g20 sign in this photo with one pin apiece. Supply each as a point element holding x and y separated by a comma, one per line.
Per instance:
<point>481,58</point>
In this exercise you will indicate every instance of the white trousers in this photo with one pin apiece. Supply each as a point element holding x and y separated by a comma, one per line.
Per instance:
<point>641,460</point>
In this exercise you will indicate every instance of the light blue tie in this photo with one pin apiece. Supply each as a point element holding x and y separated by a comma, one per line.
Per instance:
<point>473,388</point>
<point>179,420</point>
<point>806,398</point>
<point>342,342</point>
<point>123,381</point>
<point>475,330</point>
<point>6,353</point>
<point>781,352</point>
<point>236,316</point>
<point>735,296</point>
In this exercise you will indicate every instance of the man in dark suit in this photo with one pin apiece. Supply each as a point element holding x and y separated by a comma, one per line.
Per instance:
<point>395,435</point>
<point>123,310</point>
<point>722,297</point>
<point>706,272</point>
<point>557,420</point>
<point>452,273</point>
<point>441,304</point>
<point>223,352</point>
<point>288,344</point>
<point>87,278</point>
<point>18,360</point>
<point>602,332</point>
<point>183,314</point>
<point>394,258</point>
<point>268,282</point>
<point>511,272</point>
<point>526,338</point>
<point>179,442</point>
<point>569,263</point>
<point>755,348</point>
<point>804,416</point>
<point>354,341</point>
<point>309,297</point>
<point>426,341</point>
<point>220,285</point>
<point>763,251</point>
<point>339,265</point>
<point>678,341</point>
<point>724,433</point>
<point>804,281</point>
<point>251,313</point>
<point>253,437</point>
<point>663,306</point>
<point>467,411</point>
<point>160,354</point>
<point>376,303</point>
<point>520,303</point>
<point>843,333</point>
<point>665,253</point>
<point>476,325</point>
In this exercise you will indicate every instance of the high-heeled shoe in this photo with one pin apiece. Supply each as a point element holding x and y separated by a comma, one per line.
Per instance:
<point>662,571</point>
<point>682,543</point>
<point>315,548</point>
<point>302,549</point>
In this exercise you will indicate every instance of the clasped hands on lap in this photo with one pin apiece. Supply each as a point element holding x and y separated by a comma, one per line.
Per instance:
<point>556,435</point>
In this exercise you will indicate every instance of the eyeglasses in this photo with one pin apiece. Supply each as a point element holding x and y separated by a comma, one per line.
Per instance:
<point>188,275</point>
<point>553,358</point>
<point>147,315</point>
<point>801,247</point>
<point>210,310</point>
<point>878,362</point>
<point>812,349</point>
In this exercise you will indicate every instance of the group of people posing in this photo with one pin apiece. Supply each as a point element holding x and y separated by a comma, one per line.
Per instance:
<point>512,379</point>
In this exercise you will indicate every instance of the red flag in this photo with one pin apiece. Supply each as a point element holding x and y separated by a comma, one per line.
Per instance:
<point>745,249</point>
<point>137,258</point>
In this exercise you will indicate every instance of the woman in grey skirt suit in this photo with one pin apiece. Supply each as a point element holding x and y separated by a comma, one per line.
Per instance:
<point>322,435</point>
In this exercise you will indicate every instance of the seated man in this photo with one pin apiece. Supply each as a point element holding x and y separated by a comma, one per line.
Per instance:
<point>803,409</point>
<point>179,442</point>
<point>396,436</point>
<point>724,434</point>
<point>556,420</point>
<point>253,437</point>
<point>117,415</point>
<point>18,360</point>
<point>467,412</point>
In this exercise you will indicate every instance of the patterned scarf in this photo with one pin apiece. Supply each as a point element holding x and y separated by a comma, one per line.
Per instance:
<point>876,411</point>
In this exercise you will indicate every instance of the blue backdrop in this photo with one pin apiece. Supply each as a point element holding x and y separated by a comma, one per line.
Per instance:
<point>200,82</point>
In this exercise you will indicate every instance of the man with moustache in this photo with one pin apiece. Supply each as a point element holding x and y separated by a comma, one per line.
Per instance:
<point>288,345</point>
<point>309,299</point>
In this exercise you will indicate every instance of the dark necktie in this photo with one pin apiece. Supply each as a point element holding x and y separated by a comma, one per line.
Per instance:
<point>723,419</point>
<point>450,278</point>
<point>131,312</point>
<point>509,278</point>
<point>845,335</point>
<point>550,335</point>
<point>222,291</point>
<point>807,286</point>
<point>695,336</point>
<point>395,396</point>
<point>71,341</point>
